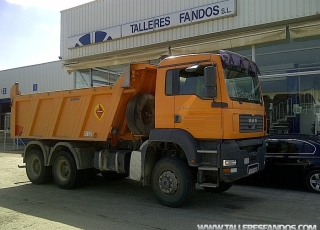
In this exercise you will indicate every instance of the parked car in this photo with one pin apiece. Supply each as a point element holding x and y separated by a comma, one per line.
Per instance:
<point>294,155</point>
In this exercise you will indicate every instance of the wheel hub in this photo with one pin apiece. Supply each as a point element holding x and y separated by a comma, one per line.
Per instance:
<point>36,166</point>
<point>168,182</point>
<point>315,181</point>
<point>146,115</point>
<point>64,170</point>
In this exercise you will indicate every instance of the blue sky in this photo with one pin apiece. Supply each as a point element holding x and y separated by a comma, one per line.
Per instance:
<point>30,31</point>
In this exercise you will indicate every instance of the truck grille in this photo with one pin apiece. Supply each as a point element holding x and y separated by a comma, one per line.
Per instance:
<point>249,124</point>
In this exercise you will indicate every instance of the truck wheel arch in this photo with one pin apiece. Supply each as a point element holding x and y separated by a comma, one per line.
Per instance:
<point>179,136</point>
<point>45,149</point>
<point>64,146</point>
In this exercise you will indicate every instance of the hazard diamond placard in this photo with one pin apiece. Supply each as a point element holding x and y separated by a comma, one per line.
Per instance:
<point>99,111</point>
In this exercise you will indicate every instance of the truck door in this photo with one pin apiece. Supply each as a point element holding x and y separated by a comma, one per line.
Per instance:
<point>192,110</point>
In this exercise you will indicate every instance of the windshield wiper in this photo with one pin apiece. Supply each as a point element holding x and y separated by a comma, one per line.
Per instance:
<point>244,99</point>
<point>240,99</point>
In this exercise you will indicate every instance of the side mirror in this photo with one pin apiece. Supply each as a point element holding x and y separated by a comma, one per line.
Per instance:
<point>210,75</point>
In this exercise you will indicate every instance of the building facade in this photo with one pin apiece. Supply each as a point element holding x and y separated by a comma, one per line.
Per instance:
<point>281,36</point>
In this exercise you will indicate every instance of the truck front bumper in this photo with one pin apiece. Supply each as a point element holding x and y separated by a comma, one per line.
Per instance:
<point>241,158</point>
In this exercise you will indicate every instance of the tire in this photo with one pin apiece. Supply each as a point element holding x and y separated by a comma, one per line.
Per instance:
<point>140,114</point>
<point>313,181</point>
<point>111,175</point>
<point>223,186</point>
<point>172,182</point>
<point>65,173</point>
<point>35,169</point>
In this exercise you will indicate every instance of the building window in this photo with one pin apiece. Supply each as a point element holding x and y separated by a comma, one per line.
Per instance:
<point>83,78</point>
<point>244,51</point>
<point>102,77</point>
<point>95,77</point>
<point>290,80</point>
<point>288,56</point>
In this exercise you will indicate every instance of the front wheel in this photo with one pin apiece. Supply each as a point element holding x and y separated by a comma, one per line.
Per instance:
<point>65,172</point>
<point>223,186</point>
<point>172,182</point>
<point>313,181</point>
<point>36,171</point>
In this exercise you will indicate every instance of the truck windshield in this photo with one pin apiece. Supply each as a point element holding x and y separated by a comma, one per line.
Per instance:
<point>241,86</point>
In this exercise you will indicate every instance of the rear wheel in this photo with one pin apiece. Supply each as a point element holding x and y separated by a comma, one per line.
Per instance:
<point>172,182</point>
<point>223,186</point>
<point>313,181</point>
<point>36,171</point>
<point>65,172</point>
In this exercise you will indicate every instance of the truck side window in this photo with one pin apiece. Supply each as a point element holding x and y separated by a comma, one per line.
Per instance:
<point>187,85</point>
<point>179,82</point>
<point>192,85</point>
<point>169,82</point>
<point>172,82</point>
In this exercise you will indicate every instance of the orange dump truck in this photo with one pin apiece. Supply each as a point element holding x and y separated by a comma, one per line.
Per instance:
<point>191,119</point>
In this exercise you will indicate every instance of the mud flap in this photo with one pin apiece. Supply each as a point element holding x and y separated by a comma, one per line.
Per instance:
<point>135,166</point>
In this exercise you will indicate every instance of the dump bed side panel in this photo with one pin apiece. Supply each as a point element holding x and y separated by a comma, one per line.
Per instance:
<point>82,114</point>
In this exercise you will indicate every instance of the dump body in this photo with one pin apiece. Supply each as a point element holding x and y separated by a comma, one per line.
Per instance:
<point>81,114</point>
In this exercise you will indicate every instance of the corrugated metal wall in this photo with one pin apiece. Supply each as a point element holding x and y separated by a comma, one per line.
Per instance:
<point>47,77</point>
<point>102,14</point>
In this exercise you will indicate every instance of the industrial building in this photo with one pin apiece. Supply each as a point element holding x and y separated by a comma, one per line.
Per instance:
<point>100,38</point>
<point>32,79</point>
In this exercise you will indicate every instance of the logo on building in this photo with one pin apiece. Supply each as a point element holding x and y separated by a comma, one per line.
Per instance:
<point>99,111</point>
<point>95,37</point>
<point>211,11</point>
<point>98,36</point>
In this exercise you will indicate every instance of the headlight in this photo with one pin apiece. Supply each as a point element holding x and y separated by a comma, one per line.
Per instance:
<point>229,162</point>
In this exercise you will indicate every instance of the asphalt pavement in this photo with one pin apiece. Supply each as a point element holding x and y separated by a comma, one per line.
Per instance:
<point>127,204</point>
